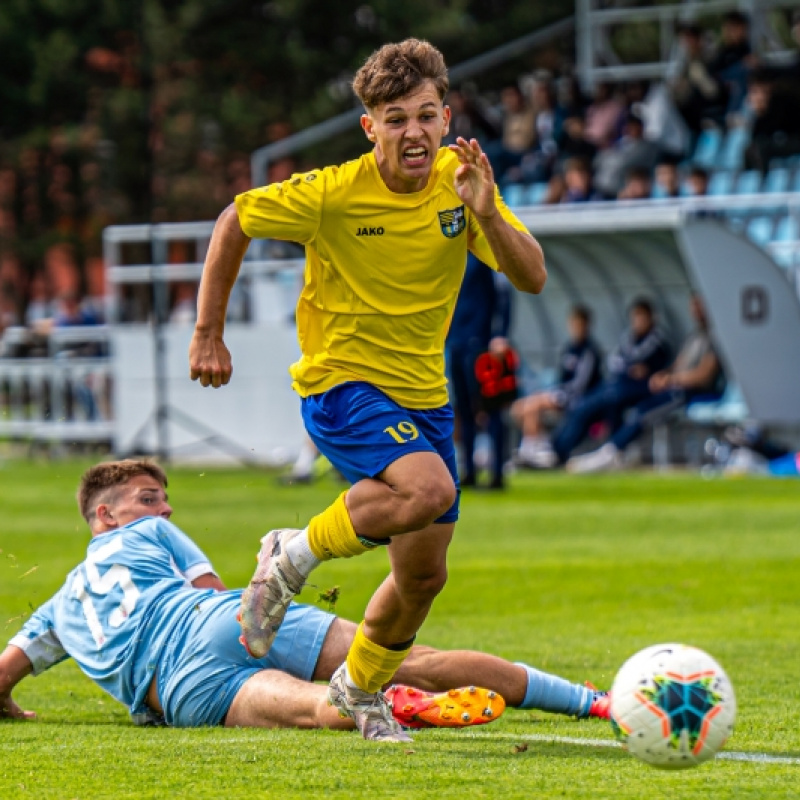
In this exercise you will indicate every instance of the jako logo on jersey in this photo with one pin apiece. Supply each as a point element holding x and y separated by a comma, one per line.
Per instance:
<point>370,232</point>
<point>452,221</point>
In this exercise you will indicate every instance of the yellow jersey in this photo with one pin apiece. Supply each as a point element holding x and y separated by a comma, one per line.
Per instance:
<point>382,274</point>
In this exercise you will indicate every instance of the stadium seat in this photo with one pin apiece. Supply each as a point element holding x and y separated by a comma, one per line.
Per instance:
<point>514,194</point>
<point>536,193</point>
<point>721,183</point>
<point>748,182</point>
<point>759,230</point>
<point>787,230</point>
<point>796,182</point>
<point>708,144</point>
<point>731,155</point>
<point>777,180</point>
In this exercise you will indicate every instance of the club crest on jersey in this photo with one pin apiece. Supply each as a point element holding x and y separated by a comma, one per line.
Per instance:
<point>452,221</point>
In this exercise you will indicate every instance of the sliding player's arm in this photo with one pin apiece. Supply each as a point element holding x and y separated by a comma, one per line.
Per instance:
<point>517,253</point>
<point>14,666</point>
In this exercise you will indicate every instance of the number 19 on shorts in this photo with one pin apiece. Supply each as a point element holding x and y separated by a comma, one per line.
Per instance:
<point>403,433</point>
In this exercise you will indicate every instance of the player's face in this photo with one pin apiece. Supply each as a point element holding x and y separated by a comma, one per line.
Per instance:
<point>141,496</point>
<point>407,134</point>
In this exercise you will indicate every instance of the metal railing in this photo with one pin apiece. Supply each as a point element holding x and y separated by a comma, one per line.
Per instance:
<point>61,394</point>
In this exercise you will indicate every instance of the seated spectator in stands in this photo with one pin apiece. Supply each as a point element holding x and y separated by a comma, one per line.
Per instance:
<point>638,185</point>
<point>734,59</point>
<point>697,182</point>
<point>184,307</point>
<point>537,165</point>
<point>71,312</point>
<point>468,120</point>
<point>578,182</point>
<point>776,123</point>
<point>695,375</point>
<point>631,151</point>
<point>641,353</point>
<point>572,142</point>
<point>579,372</point>
<point>519,134</point>
<point>480,323</point>
<point>666,180</point>
<point>604,117</point>
<point>696,91</point>
<point>40,306</point>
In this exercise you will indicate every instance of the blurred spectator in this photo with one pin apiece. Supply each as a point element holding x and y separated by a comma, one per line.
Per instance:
<point>467,120</point>
<point>631,151</point>
<point>695,376</point>
<point>184,307</point>
<point>578,182</point>
<point>519,133</point>
<point>734,59</point>
<point>40,304</point>
<point>537,165</point>
<point>637,185</point>
<point>480,322</point>
<point>604,116</point>
<point>70,312</point>
<point>697,182</point>
<point>641,353</point>
<point>775,123</point>
<point>696,91</point>
<point>579,373</point>
<point>572,142</point>
<point>666,180</point>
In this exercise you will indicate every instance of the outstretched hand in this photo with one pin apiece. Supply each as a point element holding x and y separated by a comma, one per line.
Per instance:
<point>474,179</point>
<point>10,710</point>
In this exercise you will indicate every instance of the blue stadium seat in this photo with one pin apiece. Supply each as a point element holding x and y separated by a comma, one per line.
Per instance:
<point>796,182</point>
<point>787,230</point>
<point>721,183</point>
<point>759,230</point>
<point>748,182</point>
<point>731,155</point>
<point>536,193</point>
<point>777,180</point>
<point>514,194</point>
<point>708,144</point>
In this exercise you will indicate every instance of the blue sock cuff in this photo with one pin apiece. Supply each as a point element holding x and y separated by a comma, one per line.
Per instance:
<point>550,693</point>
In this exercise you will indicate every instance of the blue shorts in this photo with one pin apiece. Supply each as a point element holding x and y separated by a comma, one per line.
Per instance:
<point>204,665</point>
<point>361,431</point>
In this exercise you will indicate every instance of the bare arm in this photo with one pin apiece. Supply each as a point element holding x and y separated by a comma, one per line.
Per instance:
<point>209,581</point>
<point>14,666</point>
<point>518,254</point>
<point>209,359</point>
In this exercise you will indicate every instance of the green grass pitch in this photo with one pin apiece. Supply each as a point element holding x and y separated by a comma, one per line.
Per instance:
<point>572,575</point>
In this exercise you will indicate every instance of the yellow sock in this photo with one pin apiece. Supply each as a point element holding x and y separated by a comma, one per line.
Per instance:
<point>331,534</point>
<point>369,665</point>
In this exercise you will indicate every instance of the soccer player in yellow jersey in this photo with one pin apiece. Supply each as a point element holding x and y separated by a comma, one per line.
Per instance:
<point>386,240</point>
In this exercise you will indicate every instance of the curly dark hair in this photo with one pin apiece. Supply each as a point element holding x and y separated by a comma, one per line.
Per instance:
<point>396,70</point>
<point>103,480</point>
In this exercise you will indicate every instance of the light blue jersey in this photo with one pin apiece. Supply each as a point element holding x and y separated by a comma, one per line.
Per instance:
<point>117,609</point>
<point>129,613</point>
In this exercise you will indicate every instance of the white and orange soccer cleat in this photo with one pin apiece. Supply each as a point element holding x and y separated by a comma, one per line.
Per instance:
<point>457,708</point>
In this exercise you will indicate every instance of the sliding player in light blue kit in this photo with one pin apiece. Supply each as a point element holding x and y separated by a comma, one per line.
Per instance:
<point>148,620</point>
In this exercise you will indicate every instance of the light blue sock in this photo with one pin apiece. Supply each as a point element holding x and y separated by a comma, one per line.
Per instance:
<point>550,693</point>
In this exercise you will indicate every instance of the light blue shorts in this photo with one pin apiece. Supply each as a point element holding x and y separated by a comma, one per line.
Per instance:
<point>204,665</point>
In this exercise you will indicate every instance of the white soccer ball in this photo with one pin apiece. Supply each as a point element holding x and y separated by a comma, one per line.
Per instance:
<point>672,706</point>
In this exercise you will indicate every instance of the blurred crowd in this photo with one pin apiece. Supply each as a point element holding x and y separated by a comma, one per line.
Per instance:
<point>630,141</point>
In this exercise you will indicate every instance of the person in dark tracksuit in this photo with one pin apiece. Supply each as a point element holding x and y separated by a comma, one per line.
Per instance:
<point>642,351</point>
<point>480,323</point>
<point>579,372</point>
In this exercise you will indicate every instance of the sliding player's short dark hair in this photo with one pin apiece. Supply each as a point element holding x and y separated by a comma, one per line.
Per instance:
<point>101,482</point>
<point>397,70</point>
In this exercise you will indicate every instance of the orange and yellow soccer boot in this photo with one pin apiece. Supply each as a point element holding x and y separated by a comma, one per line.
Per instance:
<point>457,708</point>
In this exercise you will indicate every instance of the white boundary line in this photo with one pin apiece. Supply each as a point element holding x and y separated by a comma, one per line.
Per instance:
<point>731,755</point>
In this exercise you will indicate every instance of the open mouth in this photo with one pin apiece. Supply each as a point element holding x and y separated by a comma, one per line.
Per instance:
<point>415,156</point>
